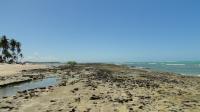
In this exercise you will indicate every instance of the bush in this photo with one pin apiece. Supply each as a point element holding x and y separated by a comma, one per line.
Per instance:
<point>72,64</point>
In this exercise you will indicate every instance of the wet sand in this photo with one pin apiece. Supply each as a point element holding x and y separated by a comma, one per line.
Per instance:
<point>109,88</point>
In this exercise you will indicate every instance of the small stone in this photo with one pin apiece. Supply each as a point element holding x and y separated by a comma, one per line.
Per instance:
<point>52,100</point>
<point>77,99</point>
<point>140,107</point>
<point>73,110</point>
<point>94,97</point>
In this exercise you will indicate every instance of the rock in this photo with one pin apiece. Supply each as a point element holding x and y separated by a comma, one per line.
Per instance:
<point>140,107</point>
<point>94,97</point>
<point>75,89</point>
<point>15,97</point>
<point>50,87</point>
<point>63,83</point>
<point>123,99</point>
<point>6,106</point>
<point>26,97</point>
<point>52,100</point>
<point>87,110</point>
<point>42,88</point>
<point>5,97</point>
<point>77,99</point>
<point>129,94</point>
<point>24,70</point>
<point>60,109</point>
<point>73,110</point>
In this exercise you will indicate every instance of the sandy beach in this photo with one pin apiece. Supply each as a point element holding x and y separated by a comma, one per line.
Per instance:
<point>107,88</point>
<point>11,69</point>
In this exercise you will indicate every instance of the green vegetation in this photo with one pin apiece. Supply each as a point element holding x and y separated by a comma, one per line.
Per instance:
<point>10,50</point>
<point>72,64</point>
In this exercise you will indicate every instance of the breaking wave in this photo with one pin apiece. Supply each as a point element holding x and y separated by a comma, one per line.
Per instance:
<point>175,64</point>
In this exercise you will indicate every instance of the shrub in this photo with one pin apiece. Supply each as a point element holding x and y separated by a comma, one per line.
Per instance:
<point>72,64</point>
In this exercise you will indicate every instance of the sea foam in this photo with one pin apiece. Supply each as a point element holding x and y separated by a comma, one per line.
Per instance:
<point>152,63</point>
<point>175,64</point>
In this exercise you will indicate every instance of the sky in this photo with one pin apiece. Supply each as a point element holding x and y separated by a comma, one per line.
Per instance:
<point>103,30</point>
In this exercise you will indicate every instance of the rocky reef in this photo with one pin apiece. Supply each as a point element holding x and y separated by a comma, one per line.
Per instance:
<point>107,88</point>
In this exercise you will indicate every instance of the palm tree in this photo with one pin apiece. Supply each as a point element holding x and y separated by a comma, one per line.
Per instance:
<point>5,43</point>
<point>12,48</point>
<point>5,47</point>
<point>7,55</point>
<point>18,46</point>
<point>0,43</point>
<point>1,58</point>
<point>21,56</point>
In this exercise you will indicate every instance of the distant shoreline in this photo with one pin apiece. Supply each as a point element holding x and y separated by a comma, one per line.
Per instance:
<point>42,62</point>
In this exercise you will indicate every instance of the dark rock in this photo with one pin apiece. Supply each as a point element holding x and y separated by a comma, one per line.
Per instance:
<point>26,97</point>
<point>140,107</point>
<point>94,97</point>
<point>76,89</point>
<point>123,99</point>
<point>52,100</point>
<point>77,99</point>
<point>73,110</point>
<point>10,107</point>
<point>5,97</point>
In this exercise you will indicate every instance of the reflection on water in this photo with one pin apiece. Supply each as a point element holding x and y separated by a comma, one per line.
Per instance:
<point>11,90</point>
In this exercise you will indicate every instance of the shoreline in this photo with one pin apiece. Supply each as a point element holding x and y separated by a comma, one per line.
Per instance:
<point>179,74</point>
<point>107,88</point>
<point>12,69</point>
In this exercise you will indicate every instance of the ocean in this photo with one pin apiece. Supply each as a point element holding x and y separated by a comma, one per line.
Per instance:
<point>191,68</point>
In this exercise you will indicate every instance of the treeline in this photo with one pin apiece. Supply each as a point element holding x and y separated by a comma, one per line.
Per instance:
<point>10,50</point>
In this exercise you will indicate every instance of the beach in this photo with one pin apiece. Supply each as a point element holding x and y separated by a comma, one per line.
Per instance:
<point>11,69</point>
<point>105,88</point>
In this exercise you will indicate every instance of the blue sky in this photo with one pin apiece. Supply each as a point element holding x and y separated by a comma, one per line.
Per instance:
<point>104,30</point>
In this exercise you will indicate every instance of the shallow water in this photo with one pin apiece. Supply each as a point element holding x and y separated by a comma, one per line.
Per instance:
<point>11,90</point>
<point>180,67</point>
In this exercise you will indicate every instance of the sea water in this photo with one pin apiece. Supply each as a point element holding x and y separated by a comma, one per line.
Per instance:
<point>179,67</point>
<point>12,89</point>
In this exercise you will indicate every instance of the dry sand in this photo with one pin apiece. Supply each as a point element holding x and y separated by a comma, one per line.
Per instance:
<point>11,69</point>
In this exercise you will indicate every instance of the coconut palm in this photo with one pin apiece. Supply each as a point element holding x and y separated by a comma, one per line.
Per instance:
<point>5,47</point>
<point>0,48</point>
<point>5,43</point>
<point>1,58</point>
<point>0,43</point>
<point>13,45</point>
<point>7,55</point>
<point>18,47</point>
<point>12,48</point>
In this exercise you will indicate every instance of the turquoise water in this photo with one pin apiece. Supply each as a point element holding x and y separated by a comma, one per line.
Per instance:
<point>180,67</point>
